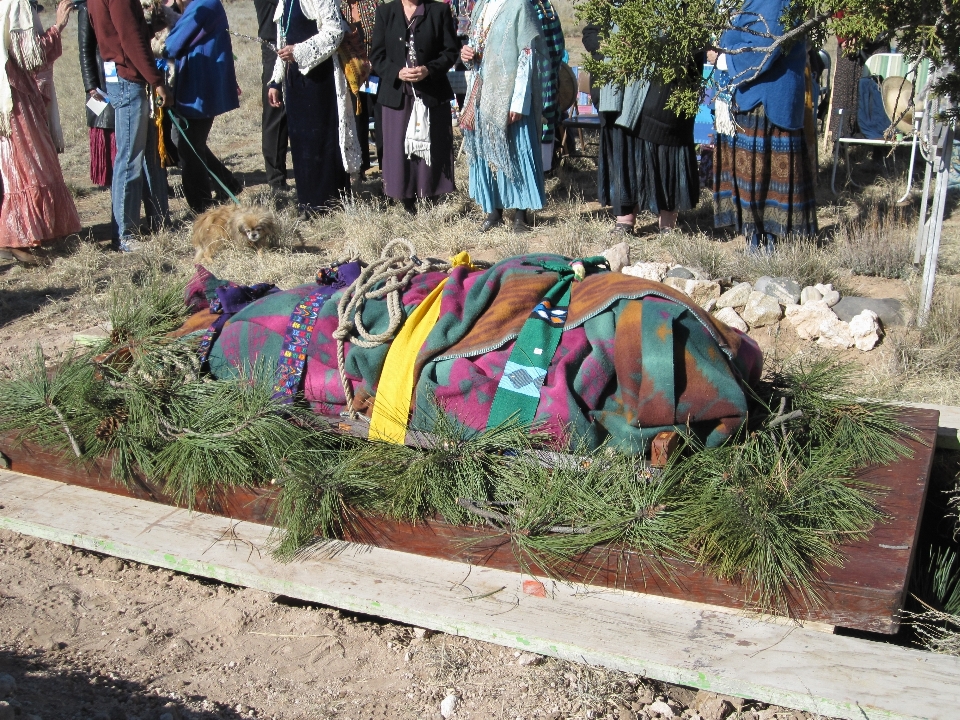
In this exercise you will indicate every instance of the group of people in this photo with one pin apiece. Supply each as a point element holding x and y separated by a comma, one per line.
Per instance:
<point>332,66</point>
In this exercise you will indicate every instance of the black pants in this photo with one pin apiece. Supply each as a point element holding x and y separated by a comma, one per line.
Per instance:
<point>274,130</point>
<point>369,108</point>
<point>197,183</point>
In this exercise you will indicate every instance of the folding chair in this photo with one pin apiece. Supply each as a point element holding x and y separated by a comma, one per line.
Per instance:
<point>885,65</point>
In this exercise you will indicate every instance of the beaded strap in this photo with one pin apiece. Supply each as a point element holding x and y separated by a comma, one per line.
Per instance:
<point>293,352</point>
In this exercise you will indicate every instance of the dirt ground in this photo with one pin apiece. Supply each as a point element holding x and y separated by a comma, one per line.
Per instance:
<point>88,637</point>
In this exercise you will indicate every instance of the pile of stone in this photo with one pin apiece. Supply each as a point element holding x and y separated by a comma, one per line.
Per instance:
<point>856,322</point>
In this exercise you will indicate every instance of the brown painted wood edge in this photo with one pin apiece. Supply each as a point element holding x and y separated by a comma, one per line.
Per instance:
<point>846,601</point>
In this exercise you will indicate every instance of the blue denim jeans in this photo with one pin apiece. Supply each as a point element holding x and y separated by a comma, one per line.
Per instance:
<point>137,174</point>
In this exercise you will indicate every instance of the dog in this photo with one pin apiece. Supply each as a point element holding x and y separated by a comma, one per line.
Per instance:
<point>233,225</point>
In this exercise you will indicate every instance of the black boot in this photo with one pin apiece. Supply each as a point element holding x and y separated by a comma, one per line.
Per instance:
<point>520,222</point>
<point>494,219</point>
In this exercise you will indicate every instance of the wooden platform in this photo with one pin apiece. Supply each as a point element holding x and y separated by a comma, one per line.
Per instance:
<point>665,639</point>
<point>866,594</point>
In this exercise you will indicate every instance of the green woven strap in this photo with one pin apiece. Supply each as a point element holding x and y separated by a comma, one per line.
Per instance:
<point>518,393</point>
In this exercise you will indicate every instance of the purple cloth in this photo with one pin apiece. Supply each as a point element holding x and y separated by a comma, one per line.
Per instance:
<point>406,178</point>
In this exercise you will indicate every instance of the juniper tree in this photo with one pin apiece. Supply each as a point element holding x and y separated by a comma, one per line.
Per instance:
<point>655,38</point>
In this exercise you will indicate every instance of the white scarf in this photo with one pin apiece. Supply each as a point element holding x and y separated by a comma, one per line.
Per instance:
<point>19,43</point>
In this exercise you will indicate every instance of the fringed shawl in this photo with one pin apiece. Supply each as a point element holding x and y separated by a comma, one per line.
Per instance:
<point>20,44</point>
<point>515,27</point>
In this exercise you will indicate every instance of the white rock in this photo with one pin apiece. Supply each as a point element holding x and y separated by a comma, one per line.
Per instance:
<point>732,318</point>
<point>831,298</point>
<point>421,633</point>
<point>810,294</point>
<point>529,659</point>
<point>736,296</point>
<point>835,334</point>
<point>648,271</point>
<point>761,309</point>
<point>700,291</point>
<point>710,305</point>
<point>824,289</point>
<point>807,319</point>
<point>618,256</point>
<point>448,706</point>
<point>661,707</point>
<point>865,329</point>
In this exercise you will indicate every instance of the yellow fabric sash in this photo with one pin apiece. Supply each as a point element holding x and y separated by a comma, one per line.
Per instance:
<point>395,391</point>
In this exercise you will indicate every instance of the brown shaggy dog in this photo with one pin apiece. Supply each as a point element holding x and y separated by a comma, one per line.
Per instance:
<point>233,225</point>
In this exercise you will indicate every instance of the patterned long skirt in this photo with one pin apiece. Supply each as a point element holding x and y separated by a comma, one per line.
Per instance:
<point>632,172</point>
<point>763,179</point>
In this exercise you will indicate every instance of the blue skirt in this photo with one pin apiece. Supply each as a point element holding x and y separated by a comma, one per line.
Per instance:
<point>495,191</point>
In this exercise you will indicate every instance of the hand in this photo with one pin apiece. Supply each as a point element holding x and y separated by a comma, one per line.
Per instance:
<point>239,91</point>
<point>413,74</point>
<point>467,53</point>
<point>95,94</point>
<point>712,57</point>
<point>63,13</point>
<point>273,97</point>
<point>513,117</point>
<point>166,97</point>
<point>286,53</point>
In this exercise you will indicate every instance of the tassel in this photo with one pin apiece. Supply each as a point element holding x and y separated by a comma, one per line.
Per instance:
<point>161,143</point>
<point>724,119</point>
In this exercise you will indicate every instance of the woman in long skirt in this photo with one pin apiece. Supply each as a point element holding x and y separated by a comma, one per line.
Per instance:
<point>414,46</point>
<point>647,156</point>
<point>37,206</point>
<point>501,120</point>
<point>323,138</point>
<point>763,175</point>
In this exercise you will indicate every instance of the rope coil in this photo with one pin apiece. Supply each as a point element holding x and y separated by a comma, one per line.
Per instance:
<point>386,277</point>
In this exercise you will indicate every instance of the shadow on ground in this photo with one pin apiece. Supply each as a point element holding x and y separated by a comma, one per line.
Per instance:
<point>14,304</point>
<point>54,686</point>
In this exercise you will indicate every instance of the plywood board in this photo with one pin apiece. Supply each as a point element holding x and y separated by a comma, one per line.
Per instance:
<point>661,638</point>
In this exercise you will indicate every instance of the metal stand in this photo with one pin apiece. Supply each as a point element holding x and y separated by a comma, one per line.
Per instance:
<point>928,237</point>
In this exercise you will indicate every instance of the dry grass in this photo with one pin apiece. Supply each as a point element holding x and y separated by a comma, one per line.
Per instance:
<point>881,244</point>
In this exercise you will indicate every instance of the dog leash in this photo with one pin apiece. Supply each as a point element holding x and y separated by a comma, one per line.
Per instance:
<point>180,130</point>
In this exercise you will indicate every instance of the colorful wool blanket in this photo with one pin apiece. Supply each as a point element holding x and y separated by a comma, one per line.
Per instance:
<point>635,357</point>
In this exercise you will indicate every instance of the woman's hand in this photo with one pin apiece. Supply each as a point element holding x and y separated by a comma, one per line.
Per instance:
<point>95,94</point>
<point>63,14</point>
<point>467,53</point>
<point>513,117</point>
<point>286,53</point>
<point>413,74</point>
<point>273,97</point>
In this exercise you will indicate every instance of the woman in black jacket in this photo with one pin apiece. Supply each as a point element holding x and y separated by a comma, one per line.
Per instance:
<point>414,46</point>
<point>101,126</point>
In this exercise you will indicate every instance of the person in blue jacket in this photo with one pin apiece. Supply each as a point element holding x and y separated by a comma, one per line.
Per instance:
<point>763,174</point>
<point>205,85</point>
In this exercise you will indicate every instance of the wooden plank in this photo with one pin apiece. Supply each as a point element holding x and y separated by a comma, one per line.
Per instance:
<point>664,639</point>
<point>866,594</point>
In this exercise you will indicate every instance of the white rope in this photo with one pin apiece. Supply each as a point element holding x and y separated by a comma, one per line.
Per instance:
<point>386,278</point>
